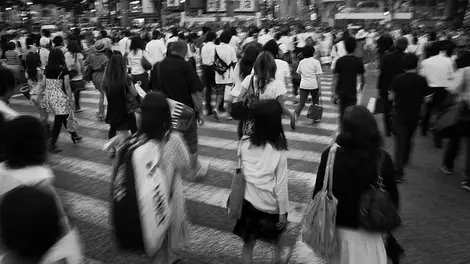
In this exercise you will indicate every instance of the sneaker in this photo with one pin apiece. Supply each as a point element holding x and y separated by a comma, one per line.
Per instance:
<point>465,185</point>
<point>215,115</point>
<point>446,170</point>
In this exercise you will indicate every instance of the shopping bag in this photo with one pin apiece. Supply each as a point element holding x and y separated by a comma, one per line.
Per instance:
<point>237,194</point>
<point>72,123</point>
<point>319,230</point>
<point>446,120</point>
<point>315,112</point>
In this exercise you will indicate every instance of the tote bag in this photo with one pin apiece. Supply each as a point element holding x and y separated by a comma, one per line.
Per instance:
<point>237,194</point>
<point>319,230</point>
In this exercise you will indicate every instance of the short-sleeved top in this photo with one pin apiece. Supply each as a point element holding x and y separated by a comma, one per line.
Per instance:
<point>409,89</point>
<point>347,68</point>
<point>283,70</point>
<point>273,90</point>
<point>308,70</point>
<point>178,77</point>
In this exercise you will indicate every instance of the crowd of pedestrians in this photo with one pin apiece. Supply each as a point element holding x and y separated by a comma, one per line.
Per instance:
<point>151,87</point>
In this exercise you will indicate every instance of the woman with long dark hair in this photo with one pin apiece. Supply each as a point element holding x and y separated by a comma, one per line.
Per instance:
<point>58,96</point>
<point>74,60</point>
<point>355,169</point>
<point>35,77</point>
<point>264,163</point>
<point>116,84</point>
<point>244,68</point>
<point>135,60</point>
<point>264,85</point>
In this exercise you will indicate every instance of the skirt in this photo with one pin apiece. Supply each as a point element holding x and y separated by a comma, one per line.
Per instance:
<point>359,247</point>
<point>255,224</point>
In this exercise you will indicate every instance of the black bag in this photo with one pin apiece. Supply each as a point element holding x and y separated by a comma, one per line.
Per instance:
<point>132,102</point>
<point>125,214</point>
<point>219,65</point>
<point>315,111</point>
<point>243,109</point>
<point>145,63</point>
<point>377,213</point>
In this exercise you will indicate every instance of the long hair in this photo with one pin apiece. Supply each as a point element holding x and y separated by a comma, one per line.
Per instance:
<point>155,116</point>
<point>248,60</point>
<point>136,44</point>
<point>32,62</point>
<point>56,61</point>
<point>268,125</point>
<point>360,133</point>
<point>265,70</point>
<point>115,75</point>
<point>74,47</point>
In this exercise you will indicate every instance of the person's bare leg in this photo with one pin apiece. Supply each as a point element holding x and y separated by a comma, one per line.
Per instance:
<point>247,252</point>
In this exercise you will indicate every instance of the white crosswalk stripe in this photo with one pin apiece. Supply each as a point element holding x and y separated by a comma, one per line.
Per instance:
<point>83,173</point>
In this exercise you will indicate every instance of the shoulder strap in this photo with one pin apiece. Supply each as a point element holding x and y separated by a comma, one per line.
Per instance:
<point>379,170</point>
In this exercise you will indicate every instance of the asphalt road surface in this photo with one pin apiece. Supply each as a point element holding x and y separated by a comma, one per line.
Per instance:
<point>82,173</point>
<point>434,209</point>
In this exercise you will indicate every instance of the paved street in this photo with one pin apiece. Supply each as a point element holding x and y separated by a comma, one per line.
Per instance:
<point>83,180</point>
<point>434,209</point>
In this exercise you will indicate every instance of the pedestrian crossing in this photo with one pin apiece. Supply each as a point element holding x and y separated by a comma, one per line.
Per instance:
<point>83,175</point>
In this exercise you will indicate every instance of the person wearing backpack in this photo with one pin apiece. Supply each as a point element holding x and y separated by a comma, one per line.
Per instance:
<point>155,150</point>
<point>359,162</point>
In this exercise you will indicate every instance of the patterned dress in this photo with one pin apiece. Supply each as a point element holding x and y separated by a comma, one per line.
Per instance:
<point>55,99</point>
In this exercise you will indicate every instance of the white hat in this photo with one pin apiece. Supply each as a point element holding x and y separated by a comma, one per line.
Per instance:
<point>361,34</point>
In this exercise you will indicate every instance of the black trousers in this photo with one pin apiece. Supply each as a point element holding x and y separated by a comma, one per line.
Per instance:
<point>462,131</point>
<point>208,75</point>
<point>404,133</point>
<point>59,120</point>
<point>439,94</point>
<point>387,112</point>
<point>345,102</point>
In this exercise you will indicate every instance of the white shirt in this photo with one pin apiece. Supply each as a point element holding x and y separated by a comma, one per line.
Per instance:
<point>235,42</point>
<point>264,38</point>
<point>208,54</point>
<point>288,43</point>
<point>461,84</point>
<point>44,56</point>
<point>282,71</point>
<point>228,54</point>
<point>124,45</point>
<point>134,61</point>
<point>172,39</point>
<point>438,70</point>
<point>26,176</point>
<point>308,70</point>
<point>156,49</point>
<point>265,172</point>
<point>273,89</point>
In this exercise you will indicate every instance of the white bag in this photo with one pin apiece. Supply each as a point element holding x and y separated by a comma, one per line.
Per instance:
<point>152,195</point>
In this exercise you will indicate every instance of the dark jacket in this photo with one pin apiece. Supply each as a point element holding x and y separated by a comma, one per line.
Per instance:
<point>391,66</point>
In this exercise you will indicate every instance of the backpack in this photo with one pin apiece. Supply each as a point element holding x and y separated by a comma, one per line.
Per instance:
<point>140,208</point>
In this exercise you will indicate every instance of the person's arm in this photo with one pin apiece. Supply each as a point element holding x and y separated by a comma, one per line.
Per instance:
<point>195,87</point>
<point>281,191</point>
<point>321,172</point>
<point>245,85</point>
<point>68,89</point>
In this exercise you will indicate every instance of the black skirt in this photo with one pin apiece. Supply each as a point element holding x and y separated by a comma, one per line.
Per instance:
<point>255,224</point>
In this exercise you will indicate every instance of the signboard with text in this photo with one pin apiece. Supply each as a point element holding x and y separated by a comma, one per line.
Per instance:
<point>240,5</point>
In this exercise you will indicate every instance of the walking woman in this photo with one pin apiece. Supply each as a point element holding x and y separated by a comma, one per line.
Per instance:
<point>96,63</point>
<point>116,84</point>
<point>244,68</point>
<point>155,128</point>
<point>310,72</point>
<point>263,84</point>
<point>74,61</point>
<point>355,169</point>
<point>35,77</point>
<point>12,59</point>
<point>264,163</point>
<point>58,96</point>
<point>138,60</point>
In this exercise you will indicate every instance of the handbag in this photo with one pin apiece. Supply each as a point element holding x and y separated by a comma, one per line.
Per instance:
<point>72,123</point>
<point>315,111</point>
<point>242,109</point>
<point>132,103</point>
<point>319,229</point>
<point>237,193</point>
<point>377,213</point>
<point>145,63</point>
<point>182,115</point>
<point>219,65</point>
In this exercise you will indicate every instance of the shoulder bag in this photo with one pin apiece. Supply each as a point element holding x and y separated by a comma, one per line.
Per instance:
<point>132,102</point>
<point>237,194</point>
<point>219,65</point>
<point>146,64</point>
<point>319,229</point>
<point>377,213</point>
